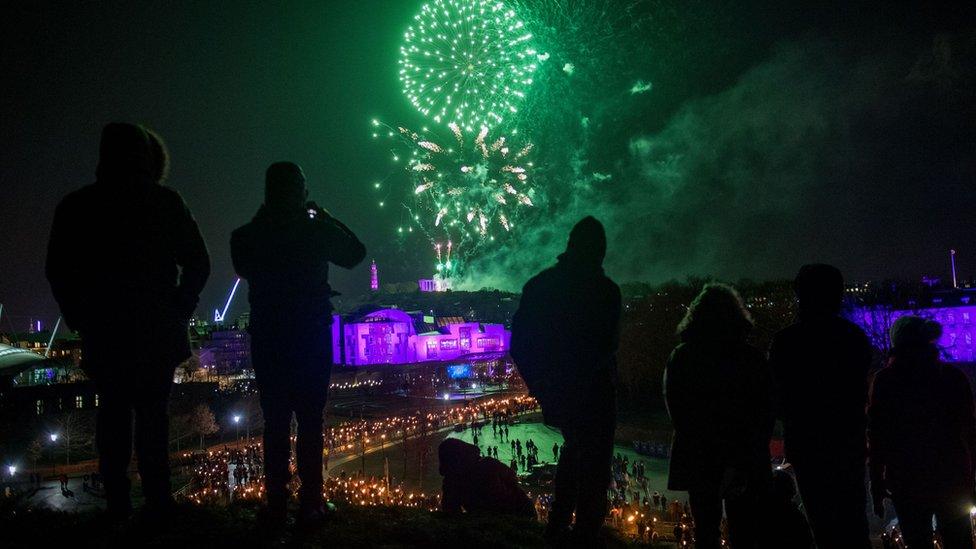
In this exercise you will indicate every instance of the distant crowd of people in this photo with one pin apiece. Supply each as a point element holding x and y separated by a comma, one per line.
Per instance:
<point>129,241</point>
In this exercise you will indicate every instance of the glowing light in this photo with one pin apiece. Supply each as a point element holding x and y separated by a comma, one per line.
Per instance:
<point>54,437</point>
<point>219,315</point>
<point>466,62</point>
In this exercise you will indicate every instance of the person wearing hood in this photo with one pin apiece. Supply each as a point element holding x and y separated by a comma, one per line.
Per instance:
<point>716,387</point>
<point>922,436</point>
<point>284,254</point>
<point>564,343</point>
<point>476,484</point>
<point>126,263</point>
<point>820,368</point>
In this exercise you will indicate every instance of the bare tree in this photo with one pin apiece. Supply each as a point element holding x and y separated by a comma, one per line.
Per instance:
<point>203,422</point>
<point>77,433</point>
<point>34,451</point>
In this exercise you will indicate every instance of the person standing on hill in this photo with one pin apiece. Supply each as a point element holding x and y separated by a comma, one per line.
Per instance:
<point>717,391</point>
<point>820,369</point>
<point>564,343</point>
<point>922,438</point>
<point>284,254</point>
<point>127,245</point>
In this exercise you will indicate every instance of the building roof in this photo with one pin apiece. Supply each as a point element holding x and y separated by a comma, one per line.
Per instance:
<point>14,360</point>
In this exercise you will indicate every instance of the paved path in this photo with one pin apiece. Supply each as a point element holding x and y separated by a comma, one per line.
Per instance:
<point>75,499</point>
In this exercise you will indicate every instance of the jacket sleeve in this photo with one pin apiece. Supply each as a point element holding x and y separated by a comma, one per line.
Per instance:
<point>341,244</point>
<point>190,252</point>
<point>61,268</point>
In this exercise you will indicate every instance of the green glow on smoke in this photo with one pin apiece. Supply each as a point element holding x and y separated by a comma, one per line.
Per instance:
<point>467,62</point>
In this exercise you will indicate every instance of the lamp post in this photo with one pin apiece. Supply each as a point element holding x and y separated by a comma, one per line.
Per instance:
<point>237,423</point>
<point>54,441</point>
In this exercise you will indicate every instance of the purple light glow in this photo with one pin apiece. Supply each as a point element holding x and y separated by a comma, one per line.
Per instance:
<point>958,328</point>
<point>389,336</point>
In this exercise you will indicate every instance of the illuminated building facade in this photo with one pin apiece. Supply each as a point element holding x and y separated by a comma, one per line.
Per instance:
<point>956,311</point>
<point>392,336</point>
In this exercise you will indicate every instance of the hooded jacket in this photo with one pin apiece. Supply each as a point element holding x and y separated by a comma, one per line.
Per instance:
<point>922,429</point>
<point>566,331</point>
<point>125,260</point>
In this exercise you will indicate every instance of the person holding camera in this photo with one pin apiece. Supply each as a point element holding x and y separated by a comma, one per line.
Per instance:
<point>284,254</point>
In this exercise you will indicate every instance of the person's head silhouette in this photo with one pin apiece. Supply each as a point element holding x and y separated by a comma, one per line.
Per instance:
<point>915,337</point>
<point>716,313</point>
<point>124,154</point>
<point>284,188</point>
<point>587,242</point>
<point>820,290</point>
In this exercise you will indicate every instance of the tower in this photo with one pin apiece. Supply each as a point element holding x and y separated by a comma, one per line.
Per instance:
<point>374,277</point>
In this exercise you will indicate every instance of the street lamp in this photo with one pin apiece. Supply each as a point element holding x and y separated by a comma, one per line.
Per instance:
<point>237,423</point>
<point>12,469</point>
<point>54,440</point>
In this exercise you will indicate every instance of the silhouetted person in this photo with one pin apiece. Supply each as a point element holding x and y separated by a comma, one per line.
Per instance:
<point>786,523</point>
<point>478,484</point>
<point>126,263</point>
<point>820,368</point>
<point>284,254</point>
<point>922,437</point>
<point>564,341</point>
<point>717,391</point>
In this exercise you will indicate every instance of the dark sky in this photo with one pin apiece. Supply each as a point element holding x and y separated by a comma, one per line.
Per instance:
<point>885,110</point>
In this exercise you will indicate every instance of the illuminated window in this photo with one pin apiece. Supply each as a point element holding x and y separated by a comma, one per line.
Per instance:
<point>96,400</point>
<point>79,402</point>
<point>969,338</point>
<point>465,338</point>
<point>488,342</point>
<point>39,406</point>
<point>431,349</point>
<point>449,344</point>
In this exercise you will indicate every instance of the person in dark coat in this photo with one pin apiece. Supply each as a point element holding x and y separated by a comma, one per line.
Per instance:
<point>284,254</point>
<point>717,391</point>
<point>564,341</point>
<point>820,369</point>
<point>476,484</point>
<point>922,438</point>
<point>127,245</point>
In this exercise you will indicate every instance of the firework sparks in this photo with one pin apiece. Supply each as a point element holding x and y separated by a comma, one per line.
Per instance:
<point>467,62</point>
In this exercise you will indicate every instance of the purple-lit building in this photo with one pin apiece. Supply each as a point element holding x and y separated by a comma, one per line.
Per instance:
<point>955,310</point>
<point>392,336</point>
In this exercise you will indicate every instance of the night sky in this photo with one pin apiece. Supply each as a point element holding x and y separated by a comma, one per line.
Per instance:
<point>771,136</point>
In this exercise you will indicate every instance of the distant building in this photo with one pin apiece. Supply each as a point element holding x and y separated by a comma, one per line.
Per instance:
<point>436,284</point>
<point>226,352</point>
<point>374,277</point>
<point>955,310</point>
<point>392,336</point>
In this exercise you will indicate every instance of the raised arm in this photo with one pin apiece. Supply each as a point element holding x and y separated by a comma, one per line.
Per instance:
<point>343,247</point>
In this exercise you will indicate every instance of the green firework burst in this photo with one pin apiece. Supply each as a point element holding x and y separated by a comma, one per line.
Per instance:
<point>467,62</point>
